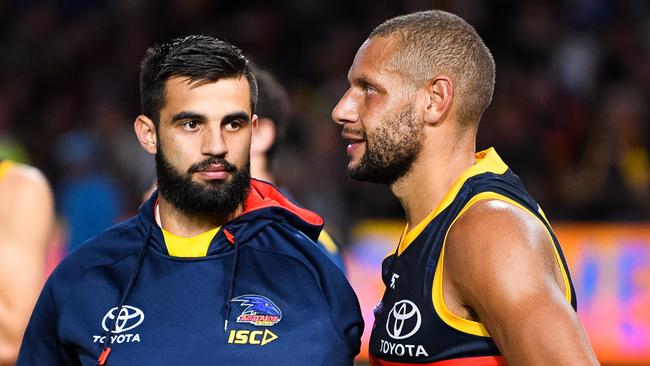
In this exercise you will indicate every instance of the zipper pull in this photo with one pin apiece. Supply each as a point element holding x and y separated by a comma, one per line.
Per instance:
<point>229,236</point>
<point>101,361</point>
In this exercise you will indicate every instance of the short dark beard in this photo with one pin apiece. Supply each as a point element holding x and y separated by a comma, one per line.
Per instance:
<point>390,150</point>
<point>197,199</point>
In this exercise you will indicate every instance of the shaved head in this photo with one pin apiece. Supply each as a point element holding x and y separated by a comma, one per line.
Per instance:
<point>434,43</point>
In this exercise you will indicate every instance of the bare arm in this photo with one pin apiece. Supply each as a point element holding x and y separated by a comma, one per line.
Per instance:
<point>501,269</point>
<point>26,218</point>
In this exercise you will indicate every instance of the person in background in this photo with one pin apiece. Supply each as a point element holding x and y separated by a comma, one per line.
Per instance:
<point>217,268</point>
<point>26,222</point>
<point>273,115</point>
<point>478,277</point>
<point>87,195</point>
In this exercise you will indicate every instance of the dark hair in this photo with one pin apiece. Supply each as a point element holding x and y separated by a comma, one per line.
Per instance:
<point>435,41</point>
<point>272,103</point>
<point>196,57</point>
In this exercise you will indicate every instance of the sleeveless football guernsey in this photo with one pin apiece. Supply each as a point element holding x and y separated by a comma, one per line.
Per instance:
<point>412,322</point>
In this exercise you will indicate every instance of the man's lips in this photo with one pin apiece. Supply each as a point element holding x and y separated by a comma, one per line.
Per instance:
<point>214,172</point>
<point>354,141</point>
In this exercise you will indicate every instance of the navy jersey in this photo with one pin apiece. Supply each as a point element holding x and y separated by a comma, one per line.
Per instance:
<point>264,294</point>
<point>412,323</point>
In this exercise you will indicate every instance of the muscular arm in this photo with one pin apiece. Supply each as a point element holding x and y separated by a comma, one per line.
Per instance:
<point>26,216</point>
<point>500,269</point>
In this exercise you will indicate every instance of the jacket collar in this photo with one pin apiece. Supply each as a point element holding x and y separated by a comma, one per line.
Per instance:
<point>263,205</point>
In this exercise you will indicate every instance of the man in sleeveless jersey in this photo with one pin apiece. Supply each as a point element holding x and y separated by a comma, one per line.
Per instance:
<point>26,221</point>
<point>478,277</point>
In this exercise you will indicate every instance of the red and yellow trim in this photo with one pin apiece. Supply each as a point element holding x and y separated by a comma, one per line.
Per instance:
<point>465,361</point>
<point>469,326</point>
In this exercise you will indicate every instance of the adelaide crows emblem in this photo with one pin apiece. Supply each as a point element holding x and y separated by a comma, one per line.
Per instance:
<point>258,310</point>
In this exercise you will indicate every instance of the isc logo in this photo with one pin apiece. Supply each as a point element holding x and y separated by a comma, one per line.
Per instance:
<point>251,337</point>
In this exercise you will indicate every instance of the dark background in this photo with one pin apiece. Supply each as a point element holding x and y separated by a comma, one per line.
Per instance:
<point>569,114</point>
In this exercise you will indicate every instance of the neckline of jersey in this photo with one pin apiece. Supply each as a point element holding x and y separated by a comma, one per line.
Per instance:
<point>183,247</point>
<point>192,247</point>
<point>487,161</point>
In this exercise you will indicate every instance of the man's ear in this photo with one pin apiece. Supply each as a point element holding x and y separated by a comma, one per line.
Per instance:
<point>263,136</point>
<point>437,96</point>
<point>145,130</point>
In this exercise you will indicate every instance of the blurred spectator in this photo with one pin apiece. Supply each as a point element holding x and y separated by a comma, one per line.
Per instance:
<point>273,112</point>
<point>88,196</point>
<point>26,222</point>
<point>612,180</point>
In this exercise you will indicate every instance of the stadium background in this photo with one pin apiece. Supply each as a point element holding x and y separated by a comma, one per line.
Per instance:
<point>570,115</point>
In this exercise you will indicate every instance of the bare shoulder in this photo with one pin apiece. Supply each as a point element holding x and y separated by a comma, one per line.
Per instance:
<point>492,227</point>
<point>21,176</point>
<point>501,270</point>
<point>26,202</point>
<point>497,248</point>
<point>24,182</point>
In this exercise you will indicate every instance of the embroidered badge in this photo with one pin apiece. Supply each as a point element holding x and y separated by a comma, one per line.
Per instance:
<point>258,310</point>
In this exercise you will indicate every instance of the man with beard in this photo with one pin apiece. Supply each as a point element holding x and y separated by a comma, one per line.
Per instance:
<point>478,277</point>
<point>217,268</point>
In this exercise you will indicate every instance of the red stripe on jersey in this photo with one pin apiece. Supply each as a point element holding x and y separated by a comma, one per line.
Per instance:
<point>467,361</point>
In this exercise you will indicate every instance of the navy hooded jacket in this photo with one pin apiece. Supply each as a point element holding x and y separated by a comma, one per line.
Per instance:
<point>265,294</point>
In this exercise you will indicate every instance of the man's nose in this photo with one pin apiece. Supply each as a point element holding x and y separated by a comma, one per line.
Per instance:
<point>212,142</point>
<point>346,111</point>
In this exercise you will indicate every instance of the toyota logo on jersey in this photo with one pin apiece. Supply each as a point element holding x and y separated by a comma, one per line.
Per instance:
<point>403,320</point>
<point>128,318</point>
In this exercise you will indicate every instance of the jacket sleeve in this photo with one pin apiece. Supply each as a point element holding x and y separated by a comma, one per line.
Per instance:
<point>344,306</point>
<point>41,344</point>
<point>342,302</point>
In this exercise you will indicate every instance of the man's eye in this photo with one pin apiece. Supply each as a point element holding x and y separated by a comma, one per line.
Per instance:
<point>190,125</point>
<point>367,88</point>
<point>233,125</point>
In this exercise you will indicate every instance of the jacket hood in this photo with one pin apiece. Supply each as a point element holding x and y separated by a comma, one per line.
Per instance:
<point>263,205</point>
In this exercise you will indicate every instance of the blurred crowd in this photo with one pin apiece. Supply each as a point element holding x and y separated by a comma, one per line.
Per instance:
<point>569,115</point>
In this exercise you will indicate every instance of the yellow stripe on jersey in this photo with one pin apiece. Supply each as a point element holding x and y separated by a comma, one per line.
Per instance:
<point>469,326</point>
<point>327,241</point>
<point>487,161</point>
<point>196,246</point>
<point>5,165</point>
